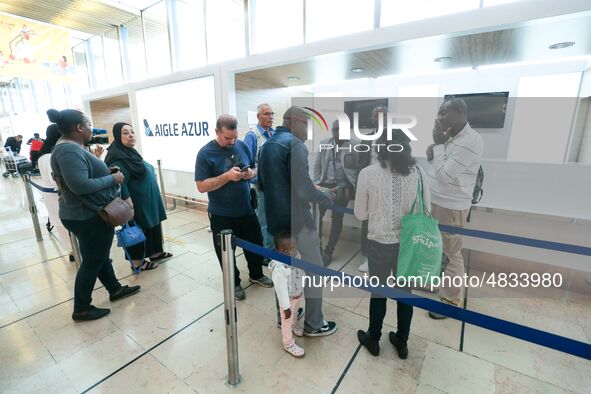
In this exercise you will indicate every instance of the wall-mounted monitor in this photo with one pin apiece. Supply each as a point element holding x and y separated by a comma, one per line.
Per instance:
<point>485,110</point>
<point>364,108</point>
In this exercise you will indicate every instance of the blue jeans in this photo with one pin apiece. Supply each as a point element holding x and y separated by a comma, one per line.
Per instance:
<point>260,211</point>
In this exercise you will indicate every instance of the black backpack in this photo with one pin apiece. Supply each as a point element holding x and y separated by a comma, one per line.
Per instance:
<point>478,190</point>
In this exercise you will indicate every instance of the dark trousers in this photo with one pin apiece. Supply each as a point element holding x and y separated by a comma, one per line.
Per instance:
<point>383,261</point>
<point>337,223</point>
<point>34,155</point>
<point>152,245</point>
<point>245,227</point>
<point>95,238</point>
<point>364,231</point>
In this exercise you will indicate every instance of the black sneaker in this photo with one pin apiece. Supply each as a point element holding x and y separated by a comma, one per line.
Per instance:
<point>400,346</point>
<point>300,315</point>
<point>328,328</point>
<point>326,259</point>
<point>239,293</point>
<point>124,291</point>
<point>262,281</point>
<point>371,344</point>
<point>92,313</point>
<point>437,316</point>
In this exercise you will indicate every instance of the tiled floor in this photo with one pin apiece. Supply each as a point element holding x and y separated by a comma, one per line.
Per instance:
<point>170,337</point>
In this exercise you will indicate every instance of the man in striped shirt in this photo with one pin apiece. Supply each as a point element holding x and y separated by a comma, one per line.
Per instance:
<point>454,159</point>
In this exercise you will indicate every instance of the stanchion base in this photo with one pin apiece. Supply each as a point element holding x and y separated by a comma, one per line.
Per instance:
<point>233,385</point>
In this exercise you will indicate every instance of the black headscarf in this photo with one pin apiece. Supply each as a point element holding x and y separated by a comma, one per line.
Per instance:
<point>131,158</point>
<point>52,134</point>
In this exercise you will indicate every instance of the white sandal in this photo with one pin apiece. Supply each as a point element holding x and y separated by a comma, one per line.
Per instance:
<point>295,350</point>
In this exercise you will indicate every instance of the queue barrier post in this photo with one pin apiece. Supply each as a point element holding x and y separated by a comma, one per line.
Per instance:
<point>463,330</point>
<point>225,238</point>
<point>32,207</point>
<point>162,191</point>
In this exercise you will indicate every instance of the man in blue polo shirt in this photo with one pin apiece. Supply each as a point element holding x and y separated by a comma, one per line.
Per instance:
<point>255,139</point>
<point>223,169</point>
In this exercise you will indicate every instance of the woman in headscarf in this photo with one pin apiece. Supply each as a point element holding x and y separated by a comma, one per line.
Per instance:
<point>140,184</point>
<point>52,134</point>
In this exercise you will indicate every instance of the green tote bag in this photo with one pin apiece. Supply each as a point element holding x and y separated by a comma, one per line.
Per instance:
<point>421,245</point>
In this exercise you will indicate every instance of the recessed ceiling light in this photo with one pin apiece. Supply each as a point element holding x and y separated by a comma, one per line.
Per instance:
<point>442,59</point>
<point>560,45</point>
<point>357,70</point>
<point>294,78</point>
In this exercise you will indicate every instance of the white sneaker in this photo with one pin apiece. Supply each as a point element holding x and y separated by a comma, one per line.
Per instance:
<point>364,267</point>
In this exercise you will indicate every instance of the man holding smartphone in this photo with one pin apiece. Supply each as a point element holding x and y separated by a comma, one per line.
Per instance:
<point>223,169</point>
<point>454,159</point>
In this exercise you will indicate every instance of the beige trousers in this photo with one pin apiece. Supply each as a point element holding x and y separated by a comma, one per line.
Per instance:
<point>452,247</point>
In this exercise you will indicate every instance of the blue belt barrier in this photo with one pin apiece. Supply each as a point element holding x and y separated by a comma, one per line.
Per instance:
<point>43,189</point>
<point>539,337</point>
<point>513,239</point>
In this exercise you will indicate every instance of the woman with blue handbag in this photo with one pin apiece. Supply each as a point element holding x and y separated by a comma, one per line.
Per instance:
<point>139,184</point>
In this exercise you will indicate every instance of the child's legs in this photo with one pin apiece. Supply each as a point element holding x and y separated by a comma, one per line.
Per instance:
<point>295,303</point>
<point>286,325</point>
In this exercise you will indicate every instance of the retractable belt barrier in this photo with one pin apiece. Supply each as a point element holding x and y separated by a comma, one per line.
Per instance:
<point>539,337</point>
<point>512,239</point>
<point>41,188</point>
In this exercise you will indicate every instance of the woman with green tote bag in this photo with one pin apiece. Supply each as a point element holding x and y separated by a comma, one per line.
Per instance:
<point>385,193</point>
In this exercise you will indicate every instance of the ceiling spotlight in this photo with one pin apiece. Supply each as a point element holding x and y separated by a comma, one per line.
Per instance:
<point>442,59</point>
<point>560,45</point>
<point>294,78</point>
<point>357,70</point>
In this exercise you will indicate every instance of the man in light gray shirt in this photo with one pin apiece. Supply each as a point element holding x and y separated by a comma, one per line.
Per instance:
<point>454,159</point>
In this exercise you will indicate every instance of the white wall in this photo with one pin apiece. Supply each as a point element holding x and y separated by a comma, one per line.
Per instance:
<point>465,80</point>
<point>544,114</point>
<point>580,150</point>
<point>278,99</point>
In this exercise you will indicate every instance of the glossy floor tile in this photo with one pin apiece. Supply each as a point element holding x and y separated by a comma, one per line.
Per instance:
<point>170,337</point>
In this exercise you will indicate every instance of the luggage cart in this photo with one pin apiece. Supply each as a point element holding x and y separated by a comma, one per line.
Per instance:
<point>15,164</point>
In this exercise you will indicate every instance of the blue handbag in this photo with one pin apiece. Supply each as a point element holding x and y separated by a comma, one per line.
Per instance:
<point>129,236</point>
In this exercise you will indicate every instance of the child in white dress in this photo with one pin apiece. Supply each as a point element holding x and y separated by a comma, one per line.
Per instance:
<point>288,283</point>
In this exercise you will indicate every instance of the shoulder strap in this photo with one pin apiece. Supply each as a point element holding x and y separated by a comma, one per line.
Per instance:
<point>419,196</point>
<point>256,132</point>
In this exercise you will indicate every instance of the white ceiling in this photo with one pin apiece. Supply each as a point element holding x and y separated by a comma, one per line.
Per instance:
<point>525,42</point>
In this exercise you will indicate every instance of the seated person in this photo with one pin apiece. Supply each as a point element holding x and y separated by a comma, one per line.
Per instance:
<point>334,168</point>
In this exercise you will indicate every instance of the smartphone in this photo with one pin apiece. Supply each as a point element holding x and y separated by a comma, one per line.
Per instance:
<point>245,168</point>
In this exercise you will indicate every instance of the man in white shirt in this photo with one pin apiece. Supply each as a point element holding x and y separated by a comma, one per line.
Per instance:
<point>454,159</point>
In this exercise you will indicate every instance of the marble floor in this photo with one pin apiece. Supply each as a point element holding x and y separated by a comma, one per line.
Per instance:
<point>170,337</point>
